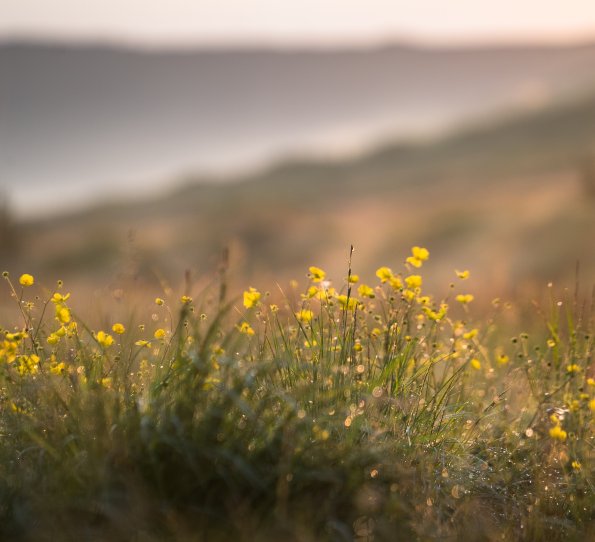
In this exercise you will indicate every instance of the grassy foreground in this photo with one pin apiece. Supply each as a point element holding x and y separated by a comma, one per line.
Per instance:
<point>334,411</point>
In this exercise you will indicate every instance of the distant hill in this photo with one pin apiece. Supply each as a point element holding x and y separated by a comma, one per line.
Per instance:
<point>513,201</point>
<point>77,123</point>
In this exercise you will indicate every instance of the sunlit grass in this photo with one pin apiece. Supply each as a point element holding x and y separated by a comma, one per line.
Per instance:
<point>335,409</point>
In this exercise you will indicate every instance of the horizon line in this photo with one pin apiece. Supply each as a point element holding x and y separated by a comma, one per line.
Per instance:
<point>272,44</point>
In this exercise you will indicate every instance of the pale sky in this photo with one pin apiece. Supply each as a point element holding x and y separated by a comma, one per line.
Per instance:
<point>299,22</point>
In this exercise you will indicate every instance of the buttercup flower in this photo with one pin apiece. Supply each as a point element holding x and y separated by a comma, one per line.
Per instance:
<point>251,298</point>
<point>418,256</point>
<point>26,280</point>
<point>316,274</point>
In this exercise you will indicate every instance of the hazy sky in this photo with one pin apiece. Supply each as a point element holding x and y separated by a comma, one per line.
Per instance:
<point>174,22</point>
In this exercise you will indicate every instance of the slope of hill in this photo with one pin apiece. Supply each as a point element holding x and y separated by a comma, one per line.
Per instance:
<point>89,120</point>
<point>515,202</point>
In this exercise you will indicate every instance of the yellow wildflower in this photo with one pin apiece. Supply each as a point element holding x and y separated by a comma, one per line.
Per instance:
<point>186,300</point>
<point>28,365</point>
<point>384,273</point>
<point>316,274</point>
<point>591,381</point>
<point>470,334</point>
<point>557,433</point>
<point>245,328</point>
<point>63,314</point>
<point>418,256</point>
<point>353,279</point>
<point>53,339</point>
<point>475,363</point>
<point>26,280</point>
<point>251,298</point>
<point>159,301</point>
<point>142,343</point>
<point>118,328</point>
<point>347,303</point>
<point>304,315</point>
<point>60,298</point>
<point>413,281</point>
<point>396,283</point>
<point>104,339</point>
<point>409,295</point>
<point>366,291</point>
<point>436,316</point>
<point>573,368</point>
<point>159,334</point>
<point>57,368</point>
<point>592,405</point>
<point>576,465</point>
<point>464,298</point>
<point>311,292</point>
<point>503,359</point>
<point>462,274</point>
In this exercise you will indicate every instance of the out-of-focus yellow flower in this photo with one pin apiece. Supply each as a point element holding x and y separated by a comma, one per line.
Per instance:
<point>470,334</point>
<point>591,381</point>
<point>304,315</point>
<point>413,281</point>
<point>311,292</point>
<point>465,298</point>
<point>60,298</point>
<point>384,273</point>
<point>436,316</point>
<point>347,303</point>
<point>26,280</point>
<point>592,405</point>
<point>503,359</point>
<point>28,365</point>
<point>104,339</point>
<point>366,291</point>
<point>475,363</point>
<point>143,343</point>
<point>409,295</point>
<point>557,433</point>
<point>63,314</point>
<point>274,308</point>
<point>245,328</point>
<point>251,298</point>
<point>462,274</point>
<point>357,346</point>
<point>57,368</point>
<point>576,465</point>
<point>573,368</point>
<point>159,334</point>
<point>353,279</point>
<point>418,256</point>
<point>118,328</point>
<point>159,301</point>
<point>186,300</point>
<point>53,339</point>
<point>316,274</point>
<point>396,283</point>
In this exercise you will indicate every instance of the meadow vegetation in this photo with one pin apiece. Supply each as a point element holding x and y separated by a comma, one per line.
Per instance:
<point>335,409</point>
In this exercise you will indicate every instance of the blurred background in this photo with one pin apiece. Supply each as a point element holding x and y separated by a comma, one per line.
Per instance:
<point>141,139</point>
